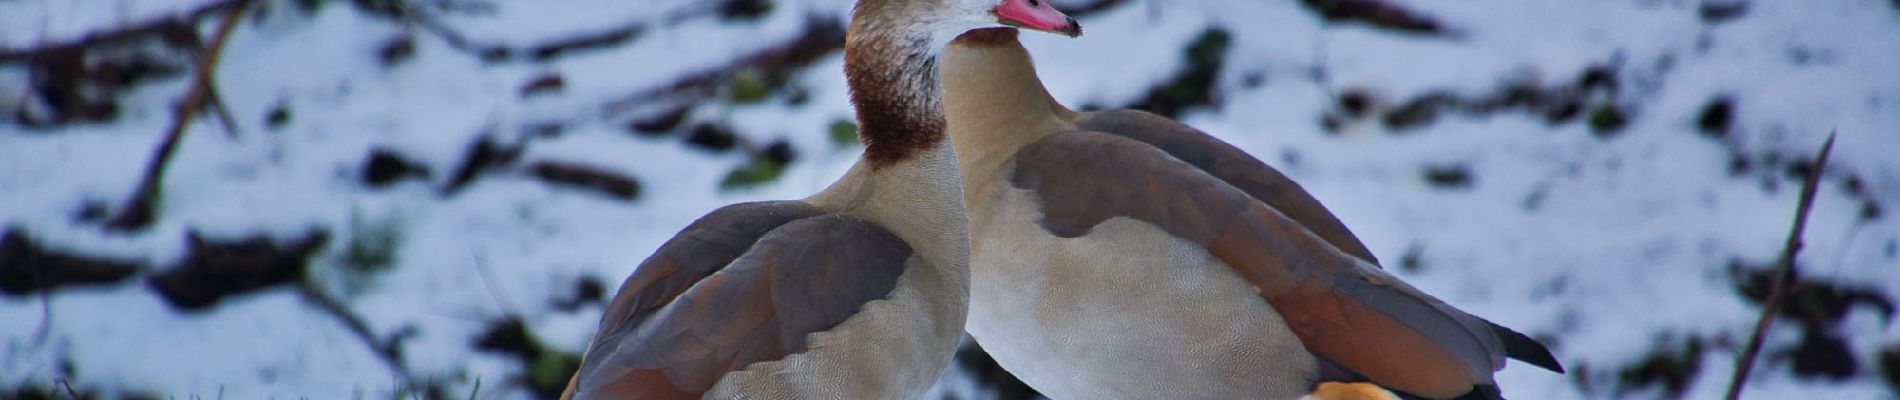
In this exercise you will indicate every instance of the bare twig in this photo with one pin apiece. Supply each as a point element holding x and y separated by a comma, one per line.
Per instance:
<point>387,350</point>
<point>216,104</point>
<point>1378,13</point>
<point>215,101</point>
<point>429,24</point>
<point>481,267</point>
<point>137,212</point>
<point>45,329</point>
<point>123,33</point>
<point>1784,271</point>
<point>544,51</point>
<point>69,388</point>
<point>821,37</point>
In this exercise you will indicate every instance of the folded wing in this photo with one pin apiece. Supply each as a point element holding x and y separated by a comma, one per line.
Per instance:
<point>1342,307</point>
<point>742,285</point>
<point>1259,180</point>
<point>1229,164</point>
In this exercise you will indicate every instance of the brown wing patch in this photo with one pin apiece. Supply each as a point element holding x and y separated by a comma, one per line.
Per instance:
<point>803,276</point>
<point>700,249</point>
<point>1382,348</point>
<point>1230,164</point>
<point>1341,307</point>
<point>1263,182</point>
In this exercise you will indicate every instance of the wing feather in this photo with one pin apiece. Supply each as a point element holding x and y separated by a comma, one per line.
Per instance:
<point>1231,165</point>
<point>803,273</point>
<point>1263,182</point>
<point>1341,306</point>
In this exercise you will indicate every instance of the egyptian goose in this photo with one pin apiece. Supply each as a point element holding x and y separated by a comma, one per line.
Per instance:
<point>857,292</point>
<point>1119,254</point>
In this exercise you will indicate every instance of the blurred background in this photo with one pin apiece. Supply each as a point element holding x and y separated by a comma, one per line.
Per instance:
<point>378,199</point>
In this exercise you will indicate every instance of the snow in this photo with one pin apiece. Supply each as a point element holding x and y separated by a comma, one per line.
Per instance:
<point>1601,244</point>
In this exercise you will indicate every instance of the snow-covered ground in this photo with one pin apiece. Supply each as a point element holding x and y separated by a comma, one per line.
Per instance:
<point>1603,175</point>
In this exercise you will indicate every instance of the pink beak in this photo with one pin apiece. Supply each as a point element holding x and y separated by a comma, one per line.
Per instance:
<point>1036,15</point>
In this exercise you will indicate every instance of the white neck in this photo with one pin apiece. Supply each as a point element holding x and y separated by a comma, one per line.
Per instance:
<point>919,198</point>
<point>994,103</point>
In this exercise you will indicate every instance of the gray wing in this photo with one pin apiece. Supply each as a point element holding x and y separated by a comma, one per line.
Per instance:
<point>1229,164</point>
<point>673,331</point>
<point>1264,183</point>
<point>1342,308</point>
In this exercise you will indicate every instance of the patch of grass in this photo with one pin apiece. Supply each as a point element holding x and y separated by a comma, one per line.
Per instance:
<point>1418,113</point>
<point>373,243</point>
<point>544,369</point>
<point>843,132</point>
<point>551,369</point>
<point>278,116</point>
<point>1194,86</point>
<point>1890,367</point>
<point>309,6</point>
<point>1822,354</point>
<point>1608,119</point>
<point>759,171</point>
<point>370,250</point>
<point>749,86</point>
<point>1672,365</point>
<point>745,9</point>
<point>1448,176</point>
<point>391,9</point>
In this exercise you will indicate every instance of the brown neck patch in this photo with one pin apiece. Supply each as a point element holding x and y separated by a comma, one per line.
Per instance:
<point>893,84</point>
<point>986,37</point>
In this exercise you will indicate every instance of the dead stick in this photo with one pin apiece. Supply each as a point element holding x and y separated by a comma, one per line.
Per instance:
<point>499,51</point>
<point>224,113</point>
<point>69,388</point>
<point>138,212</point>
<point>388,350</point>
<point>124,33</point>
<point>1784,272</point>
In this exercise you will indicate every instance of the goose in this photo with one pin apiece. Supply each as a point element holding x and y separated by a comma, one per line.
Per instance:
<point>1121,255</point>
<point>857,292</point>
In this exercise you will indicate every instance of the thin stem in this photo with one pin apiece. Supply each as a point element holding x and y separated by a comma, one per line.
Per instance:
<point>1784,271</point>
<point>137,213</point>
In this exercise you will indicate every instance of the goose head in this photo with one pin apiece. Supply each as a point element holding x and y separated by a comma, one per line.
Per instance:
<point>945,19</point>
<point>1035,15</point>
<point>890,60</point>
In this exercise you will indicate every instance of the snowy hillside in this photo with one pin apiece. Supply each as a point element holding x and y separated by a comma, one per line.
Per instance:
<point>432,198</point>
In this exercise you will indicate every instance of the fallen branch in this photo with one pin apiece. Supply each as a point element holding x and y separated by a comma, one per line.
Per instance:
<point>822,36</point>
<point>493,52</point>
<point>388,350</point>
<point>137,213</point>
<point>158,26</point>
<point>1378,13</point>
<point>216,104</point>
<point>1784,272</point>
<point>68,384</point>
